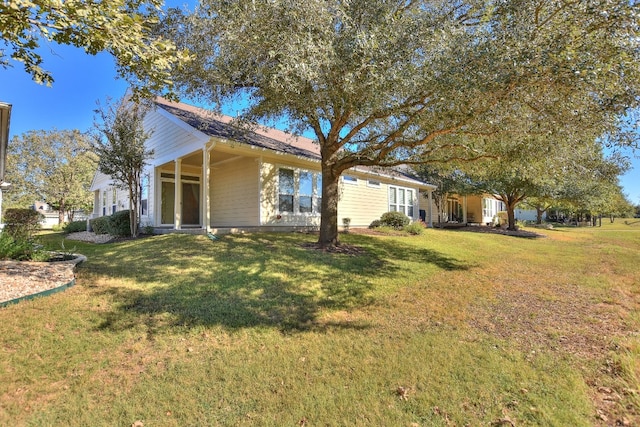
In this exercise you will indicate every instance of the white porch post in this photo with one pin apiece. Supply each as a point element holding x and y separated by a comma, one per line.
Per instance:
<point>206,171</point>
<point>430,199</point>
<point>177,205</point>
<point>464,209</point>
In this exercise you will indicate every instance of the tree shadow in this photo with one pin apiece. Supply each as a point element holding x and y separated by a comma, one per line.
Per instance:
<point>245,281</point>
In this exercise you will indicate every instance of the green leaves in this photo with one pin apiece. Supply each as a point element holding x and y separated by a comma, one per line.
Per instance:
<point>124,28</point>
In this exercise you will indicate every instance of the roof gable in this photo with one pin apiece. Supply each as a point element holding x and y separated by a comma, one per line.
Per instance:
<point>218,125</point>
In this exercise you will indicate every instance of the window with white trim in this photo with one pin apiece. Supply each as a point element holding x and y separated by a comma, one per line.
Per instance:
<point>373,183</point>
<point>144,195</point>
<point>114,200</point>
<point>401,200</point>
<point>348,179</point>
<point>299,191</point>
<point>104,202</point>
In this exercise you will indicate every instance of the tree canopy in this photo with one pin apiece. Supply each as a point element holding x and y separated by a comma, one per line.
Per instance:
<point>54,166</point>
<point>124,28</point>
<point>392,82</point>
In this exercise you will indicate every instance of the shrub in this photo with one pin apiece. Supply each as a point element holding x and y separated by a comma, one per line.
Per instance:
<point>20,248</point>
<point>396,220</point>
<point>415,228</point>
<point>75,226</point>
<point>100,225</point>
<point>22,223</point>
<point>119,224</point>
<point>375,223</point>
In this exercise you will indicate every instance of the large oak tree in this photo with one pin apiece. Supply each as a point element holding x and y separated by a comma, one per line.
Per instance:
<point>381,83</point>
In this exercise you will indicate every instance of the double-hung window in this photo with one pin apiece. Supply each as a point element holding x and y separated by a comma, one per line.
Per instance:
<point>114,200</point>
<point>104,202</point>
<point>299,191</point>
<point>401,200</point>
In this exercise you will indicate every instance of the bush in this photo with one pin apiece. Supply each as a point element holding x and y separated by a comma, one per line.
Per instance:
<point>75,226</point>
<point>20,249</point>
<point>119,224</point>
<point>415,228</point>
<point>396,220</point>
<point>375,223</point>
<point>22,223</point>
<point>100,225</point>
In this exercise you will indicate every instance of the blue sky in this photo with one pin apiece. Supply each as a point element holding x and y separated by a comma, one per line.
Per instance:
<point>81,80</point>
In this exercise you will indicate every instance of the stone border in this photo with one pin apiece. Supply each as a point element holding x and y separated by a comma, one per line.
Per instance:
<point>46,290</point>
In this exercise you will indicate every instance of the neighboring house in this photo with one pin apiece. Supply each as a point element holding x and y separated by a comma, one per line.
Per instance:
<point>229,180</point>
<point>471,209</point>
<point>51,217</point>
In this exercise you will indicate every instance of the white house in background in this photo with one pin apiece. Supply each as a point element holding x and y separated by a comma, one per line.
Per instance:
<point>208,176</point>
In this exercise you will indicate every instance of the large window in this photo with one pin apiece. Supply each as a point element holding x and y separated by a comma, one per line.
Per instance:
<point>299,191</point>
<point>401,200</point>
<point>144,195</point>
<point>114,200</point>
<point>104,202</point>
<point>491,207</point>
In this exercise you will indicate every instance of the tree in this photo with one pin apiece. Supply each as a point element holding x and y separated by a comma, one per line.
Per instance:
<point>122,28</point>
<point>548,170</point>
<point>52,166</point>
<point>120,144</point>
<point>397,82</point>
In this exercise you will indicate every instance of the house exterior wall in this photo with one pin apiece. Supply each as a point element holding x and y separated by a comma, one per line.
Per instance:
<point>474,209</point>
<point>235,193</point>
<point>360,201</point>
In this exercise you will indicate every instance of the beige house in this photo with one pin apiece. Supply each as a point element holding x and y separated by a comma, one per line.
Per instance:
<point>207,176</point>
<point>471,209</point>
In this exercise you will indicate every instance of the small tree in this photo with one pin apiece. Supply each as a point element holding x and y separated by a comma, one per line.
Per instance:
<point>120,144</point>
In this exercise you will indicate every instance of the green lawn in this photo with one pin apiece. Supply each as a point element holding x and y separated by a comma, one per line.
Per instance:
<point>446,328</point>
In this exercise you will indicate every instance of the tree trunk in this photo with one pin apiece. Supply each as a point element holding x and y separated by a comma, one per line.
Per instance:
<point>511,215</point>
<point>61,210</point>
<point>539,213</point>
<point>133,211</point>
<point>329,210</point>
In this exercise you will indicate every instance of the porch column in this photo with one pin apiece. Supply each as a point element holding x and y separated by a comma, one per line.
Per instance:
<point>464,209</point>
<point>177,205</point>
<point>206,171</point>
<point>429,198</point>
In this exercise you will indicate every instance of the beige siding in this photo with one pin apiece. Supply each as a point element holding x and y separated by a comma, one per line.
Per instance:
<point>362,203</point>
<point>234,194</point>
<point>270,215</point>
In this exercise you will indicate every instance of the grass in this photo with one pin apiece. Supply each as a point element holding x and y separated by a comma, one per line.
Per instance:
<point>472,328</point>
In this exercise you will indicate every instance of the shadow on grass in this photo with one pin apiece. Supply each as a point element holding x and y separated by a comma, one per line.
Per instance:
<point>261,280</point>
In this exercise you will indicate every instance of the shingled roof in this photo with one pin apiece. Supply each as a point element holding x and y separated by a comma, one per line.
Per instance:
<point>218,125</point>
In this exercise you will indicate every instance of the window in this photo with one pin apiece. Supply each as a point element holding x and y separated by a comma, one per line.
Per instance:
<point>348,179</point>
<point>114,200</point>
<point>144,195</point>
<point>401,200</point>
<point>299,191</point>
<point>104,202</point>
<point>373,183</point>
<point>286,190</point>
